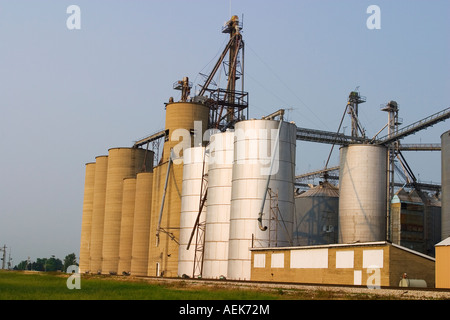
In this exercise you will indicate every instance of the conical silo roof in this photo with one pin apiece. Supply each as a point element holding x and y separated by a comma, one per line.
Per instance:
<point>324,189</point>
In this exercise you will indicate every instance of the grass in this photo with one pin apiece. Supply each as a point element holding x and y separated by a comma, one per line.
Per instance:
<point>18,285</point>
<point>52,286</point>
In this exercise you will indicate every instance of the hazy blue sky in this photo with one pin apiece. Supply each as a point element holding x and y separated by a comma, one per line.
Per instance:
<point>67,96</point>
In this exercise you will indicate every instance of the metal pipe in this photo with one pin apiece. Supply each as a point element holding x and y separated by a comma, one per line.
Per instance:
<point>264,228</point>
<point>378,132</point>
<point>163,197</point>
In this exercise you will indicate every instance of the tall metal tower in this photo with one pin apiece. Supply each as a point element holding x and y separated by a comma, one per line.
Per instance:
<point>354,100</point>
<point>227,105</point>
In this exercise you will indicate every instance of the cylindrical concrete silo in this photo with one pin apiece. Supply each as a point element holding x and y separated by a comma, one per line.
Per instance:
<point>445,173</point>
<point>98,213</point>
<point>316,215</point>
<point>122,163</point>
<point>86,222</point>
<point>362,193</point>
<point>182,118</point>
<point>126,225</point>
<point>187,117</point>
<point>195,162</point>
<point>255,144</point>
<point>215,261</point>
<point>142,220</point>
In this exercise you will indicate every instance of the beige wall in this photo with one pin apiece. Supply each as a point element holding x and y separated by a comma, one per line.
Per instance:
<point>443,267</point>
<point>349,265</point>
<point>415,266</point>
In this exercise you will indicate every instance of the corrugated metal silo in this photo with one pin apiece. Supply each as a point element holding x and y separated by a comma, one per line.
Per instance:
<point>215,261</point>
<point>362,193</point>
<point>195,162</point>
<point>122,163</point>
<point>126,224</point>
<point>316,215</point>
<point>141,229</point>
<point>255,141</point>
<point>98,213</point>
<point>163,259</point>
<point>445,159</point>
<point>86,222</point>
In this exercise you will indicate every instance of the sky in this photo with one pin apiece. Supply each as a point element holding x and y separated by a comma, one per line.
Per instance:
<point>68,95</point>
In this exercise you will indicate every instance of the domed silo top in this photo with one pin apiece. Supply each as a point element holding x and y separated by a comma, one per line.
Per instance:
<point>324,189</point>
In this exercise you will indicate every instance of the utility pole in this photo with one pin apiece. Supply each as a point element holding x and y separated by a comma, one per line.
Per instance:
<point>4,256</point>
<point>9,260</point>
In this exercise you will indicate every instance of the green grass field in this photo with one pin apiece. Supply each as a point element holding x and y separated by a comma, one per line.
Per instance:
<point>52,286</point>
<point>19,285</point>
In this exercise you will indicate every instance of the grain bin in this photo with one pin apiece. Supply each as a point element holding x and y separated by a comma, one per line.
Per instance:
<point>182,118</point>
<point>254,146</point>
<point>180,126</point>
<point>445,173</point>
<point>362,193</point>
<point>141,228</point>
<point>215,261</point>
<point>316,215</point>
<point>86,222</point>
<point>122,163</point>
<point>98,213</point>
<point>126,224</point>
<point>195,162</point>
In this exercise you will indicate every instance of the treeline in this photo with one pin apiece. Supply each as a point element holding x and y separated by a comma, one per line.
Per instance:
<point>48,264</point>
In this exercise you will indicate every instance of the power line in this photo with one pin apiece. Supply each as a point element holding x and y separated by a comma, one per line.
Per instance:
<point>287,87</point>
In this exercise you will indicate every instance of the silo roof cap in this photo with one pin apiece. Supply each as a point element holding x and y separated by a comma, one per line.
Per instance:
<point>324,189</point>
<point>445,242</point>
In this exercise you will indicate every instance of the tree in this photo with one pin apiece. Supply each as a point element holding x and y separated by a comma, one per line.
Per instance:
<point>22,265</point>
<point>54,264</point>
<point>40,264</point>
<point>48,264</point>
<point>69,260</point>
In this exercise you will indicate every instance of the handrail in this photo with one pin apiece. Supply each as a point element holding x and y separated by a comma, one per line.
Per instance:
<point>416,126</point>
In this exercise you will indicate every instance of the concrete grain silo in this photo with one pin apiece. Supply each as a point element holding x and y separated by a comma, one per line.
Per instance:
<point>316,215</point>
<point>195,162</point>
<point>362,193</point>
<point>256,142</point>
<point>141,228</point>
<point>215,261</point>
<point>126,224</point>
<point>180,126</point>
<point>122,163</point>
<point>165,233</point>
<point>86,222</point>
<point>98,213</point>
<point>445,159</point>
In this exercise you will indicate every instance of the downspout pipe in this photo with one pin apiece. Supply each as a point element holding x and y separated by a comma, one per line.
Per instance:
<point>275,149</point>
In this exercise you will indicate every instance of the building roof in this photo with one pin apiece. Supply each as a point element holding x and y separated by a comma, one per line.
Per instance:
<point>342,245</point>
<point>445,242</point>
<point>403,196</point>
<point>324,189</point>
